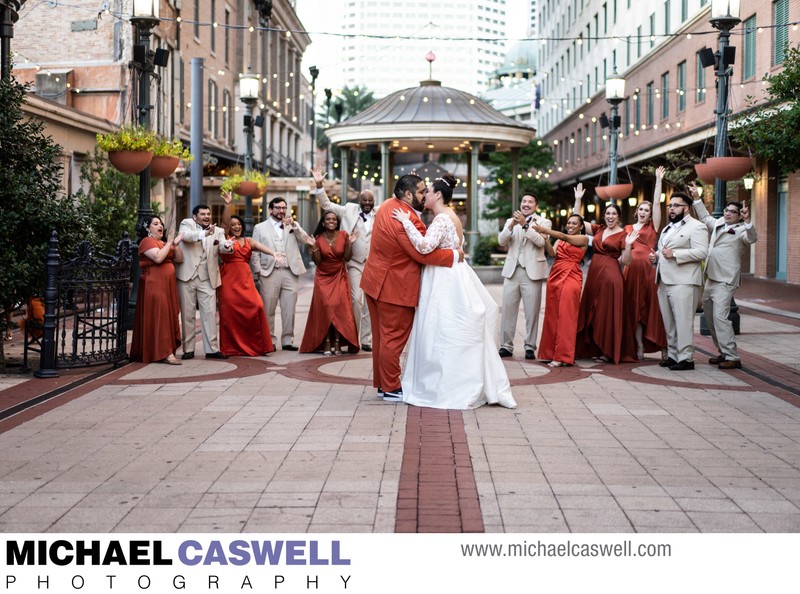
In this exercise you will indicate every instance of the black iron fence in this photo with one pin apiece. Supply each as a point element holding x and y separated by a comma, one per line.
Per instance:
<point>86,301</point>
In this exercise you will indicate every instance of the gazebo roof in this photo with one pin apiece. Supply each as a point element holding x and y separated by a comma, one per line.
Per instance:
<point>431,118</point>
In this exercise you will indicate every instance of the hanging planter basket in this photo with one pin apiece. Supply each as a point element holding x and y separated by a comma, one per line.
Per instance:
<point>729,168</point>
<point>130,161</point>
<point>602,192</point>
<point>703,171</point>
<point>161,167</point>
<point>246,188</point>
<point>619,191</point>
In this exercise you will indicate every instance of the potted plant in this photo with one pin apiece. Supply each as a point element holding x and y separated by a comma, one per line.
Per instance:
<point>130,149</point>
<point>245,183</point>
<point>166,156</point>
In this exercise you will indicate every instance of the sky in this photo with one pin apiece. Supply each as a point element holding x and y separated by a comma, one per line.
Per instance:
<point>315,16</point>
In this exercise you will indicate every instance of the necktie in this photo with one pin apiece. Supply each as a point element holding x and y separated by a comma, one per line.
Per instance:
<point>363,216</point>
<point>281,225</point>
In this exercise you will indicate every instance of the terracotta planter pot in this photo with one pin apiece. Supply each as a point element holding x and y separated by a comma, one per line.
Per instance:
<point>130,161</point>
<point>161,167</point>
<point>246,188</point>
<point>730,168</point>
<point>601,192</point>
<point>703,171</point>
<point>619,191</point>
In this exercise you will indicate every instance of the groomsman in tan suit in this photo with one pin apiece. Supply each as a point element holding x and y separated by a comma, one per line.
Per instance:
<point>682,247</point>
<point>279,280</point>
<point>723,271</point>
<point>525,273</point>
<point>198,278</point>
<point>356,217</point>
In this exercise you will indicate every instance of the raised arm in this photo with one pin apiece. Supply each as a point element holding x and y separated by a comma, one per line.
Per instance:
<point>576,207</point>
<point>700,209</point>
<point>322,196</point>
<point>576,240</point>
<point>656,209</point>
<point>227,198</point>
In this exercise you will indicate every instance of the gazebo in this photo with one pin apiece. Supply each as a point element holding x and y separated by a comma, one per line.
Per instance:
<point>434,119</point>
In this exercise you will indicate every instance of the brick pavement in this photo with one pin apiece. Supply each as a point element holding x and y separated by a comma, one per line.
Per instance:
<point>300,443</point>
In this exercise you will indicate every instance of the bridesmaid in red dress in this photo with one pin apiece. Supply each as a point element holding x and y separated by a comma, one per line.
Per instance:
<point>600,316</point>
<point>330,318</point>
<point>156,330</point>
<point>557,344</point>
<point>642,313</point>
<point>243,326</point>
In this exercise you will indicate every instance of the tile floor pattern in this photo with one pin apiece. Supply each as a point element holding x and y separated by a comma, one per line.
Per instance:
<point>299,443</point>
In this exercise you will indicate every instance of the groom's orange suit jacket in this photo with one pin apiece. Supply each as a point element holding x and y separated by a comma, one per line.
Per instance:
<point>392,270</point>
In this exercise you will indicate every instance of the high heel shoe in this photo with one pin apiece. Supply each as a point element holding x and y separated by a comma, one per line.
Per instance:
<point>555,364</point>
<point>336,350</point>
<point>327,351</point>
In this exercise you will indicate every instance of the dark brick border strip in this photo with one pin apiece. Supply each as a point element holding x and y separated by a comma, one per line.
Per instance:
<point>437,490</point>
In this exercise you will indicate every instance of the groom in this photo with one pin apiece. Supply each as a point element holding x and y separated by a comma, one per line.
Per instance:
<point>391,281</point>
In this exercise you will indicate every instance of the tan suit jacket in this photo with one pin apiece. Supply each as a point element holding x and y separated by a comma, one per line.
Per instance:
<point>528,242</point>
<point>724,263</point>
<point>193,244</point>
<point>689,243</point>
<point>263,264</point>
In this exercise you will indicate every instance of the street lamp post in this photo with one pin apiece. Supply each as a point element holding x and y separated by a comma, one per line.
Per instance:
<point>615,94</point>
<point>145,17</point>
<point>248,93</point>
<point>328,96</point>
<point>724,17</point>
<point>314,71</point>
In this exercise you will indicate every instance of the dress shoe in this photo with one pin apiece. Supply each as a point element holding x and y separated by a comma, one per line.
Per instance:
<point>682,366</point>
<point>393,396</point>
<point>530,354</point>
<point>667,362</point>
<point>216,355</point>
<point>504,352</point>
<point>732,364</point>
<point>189,355</point>
<point>289,347</point>
<point>716,360</point>
<point>380,393</point>
<point>366,348</point>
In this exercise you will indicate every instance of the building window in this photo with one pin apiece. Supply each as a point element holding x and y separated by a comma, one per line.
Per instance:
<point>652,29</point>
<point>749,66</point>
<point>780,18</point>
<point>212,28</point>
<point>637,112</point>
<point>665,95</point>
<point>667,9</point>
<point>594,138</point>
<point>181,88</point>
<point>227,37</point>
<point>639,41</point>
<point>212,108</point>
<point>197,20</point>
<point>586,141</point>
<point>651,99</point>
<point>700,83</point>
<point>226,110</point>
<point>627,125</point>
<point>684,10</point>
<point>682,86</point>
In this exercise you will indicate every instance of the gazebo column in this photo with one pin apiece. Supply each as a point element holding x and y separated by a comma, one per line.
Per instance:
<point>474,207</point>
<point>514,179</point>
<point>345,168</point>
<point>386,169</point>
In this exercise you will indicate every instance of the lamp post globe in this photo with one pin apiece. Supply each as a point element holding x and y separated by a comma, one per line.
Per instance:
<point>248,93</point>
<point>615,94</point>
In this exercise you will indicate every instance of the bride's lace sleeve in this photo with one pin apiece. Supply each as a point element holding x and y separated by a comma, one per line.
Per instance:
<point>432,238</point>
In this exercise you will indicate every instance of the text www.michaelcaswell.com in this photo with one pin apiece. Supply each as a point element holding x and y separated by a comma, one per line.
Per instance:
<point>566,549</point>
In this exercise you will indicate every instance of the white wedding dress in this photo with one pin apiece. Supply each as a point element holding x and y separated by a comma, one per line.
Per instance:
<point>453,361</point>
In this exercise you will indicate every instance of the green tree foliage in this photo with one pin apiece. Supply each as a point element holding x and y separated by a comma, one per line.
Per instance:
<point>532,158</point>
<point>33,203</point>
<point>770,130</point>
<point>111,199</point>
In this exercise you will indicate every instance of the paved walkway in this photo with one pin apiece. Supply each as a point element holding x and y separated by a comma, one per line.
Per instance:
<point>296,443</point>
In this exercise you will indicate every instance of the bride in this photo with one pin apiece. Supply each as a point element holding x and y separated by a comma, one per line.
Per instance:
<point>452,355</point>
